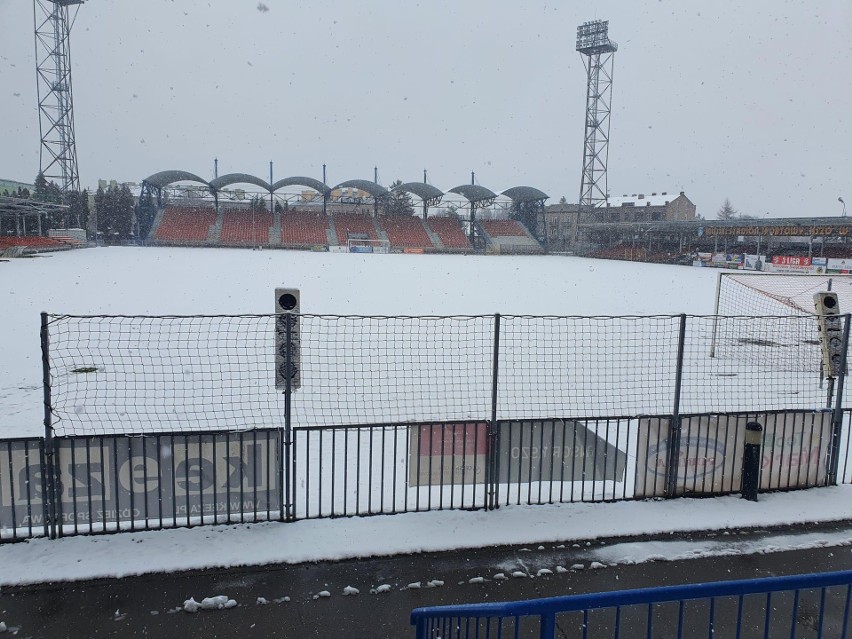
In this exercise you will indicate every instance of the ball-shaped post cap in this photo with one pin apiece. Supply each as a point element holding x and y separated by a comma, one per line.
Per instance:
<point>287,301</point>
<point>753,434</point>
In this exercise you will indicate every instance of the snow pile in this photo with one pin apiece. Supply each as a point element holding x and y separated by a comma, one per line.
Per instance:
<point>381,589</point>
<point>350,591</point>
<point>322,594</point>
<point>218,602</point>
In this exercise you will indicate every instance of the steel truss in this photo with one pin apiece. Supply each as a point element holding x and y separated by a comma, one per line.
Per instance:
<point>58,150</point>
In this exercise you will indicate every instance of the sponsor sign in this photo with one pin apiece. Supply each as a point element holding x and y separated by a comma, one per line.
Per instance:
<point>754,262</point>
<point>119,479</point>
<point>836,265</point>
<point>794,453</point>
<point>447,454</point>
<point>786,230</point>
<point>789,260</point>
<point>557,451</point>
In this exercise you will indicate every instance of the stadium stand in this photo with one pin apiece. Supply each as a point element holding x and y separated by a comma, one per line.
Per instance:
<point>509,236</point>
<point>621,252</point>
<point>406,232</point>
<point>34,242</point>
<point>450,233</point>
<point>303,228</point>
<point>241,227</point>
<point>354,224</point>
<point>186,224</point>
<point>504,228</point>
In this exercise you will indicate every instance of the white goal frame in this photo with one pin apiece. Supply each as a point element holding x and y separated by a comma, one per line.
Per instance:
<point>809,283</point>
<point>367,246</point>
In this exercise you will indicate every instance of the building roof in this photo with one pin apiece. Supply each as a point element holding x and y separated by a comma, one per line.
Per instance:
<point>643,199</point>
<point>525,194</point>
<point>474,192</point>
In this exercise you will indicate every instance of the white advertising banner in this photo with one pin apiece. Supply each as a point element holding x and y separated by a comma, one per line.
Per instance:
<point>794,453</point>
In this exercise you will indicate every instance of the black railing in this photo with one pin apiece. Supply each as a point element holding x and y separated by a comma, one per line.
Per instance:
<point>158,422</point>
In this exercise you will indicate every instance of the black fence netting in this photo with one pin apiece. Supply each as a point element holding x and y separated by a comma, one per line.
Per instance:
<point>120,374</point>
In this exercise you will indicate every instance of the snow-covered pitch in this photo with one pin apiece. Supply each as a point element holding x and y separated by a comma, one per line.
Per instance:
<point>160,281</point>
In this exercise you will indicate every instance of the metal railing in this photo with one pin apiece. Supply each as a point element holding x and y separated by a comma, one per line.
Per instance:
<point>802,605</point>
<point>156,422</point>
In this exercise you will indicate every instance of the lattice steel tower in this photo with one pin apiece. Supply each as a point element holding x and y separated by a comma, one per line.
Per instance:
<point>598,50</point>
<point>58,150</point>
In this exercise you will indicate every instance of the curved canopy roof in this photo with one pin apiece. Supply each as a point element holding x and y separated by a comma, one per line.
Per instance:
<point>524,194</point>
<point>422,190</point>
<point>238,178</point>
<point>376,190</point>
<point>301,180</point>
<point>164,178</point>
<point>474,192</point>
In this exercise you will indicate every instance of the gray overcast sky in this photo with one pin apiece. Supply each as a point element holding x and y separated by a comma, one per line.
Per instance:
<point>746,100</point>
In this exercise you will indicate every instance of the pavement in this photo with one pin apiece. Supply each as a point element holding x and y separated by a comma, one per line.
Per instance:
<point>285,600</point>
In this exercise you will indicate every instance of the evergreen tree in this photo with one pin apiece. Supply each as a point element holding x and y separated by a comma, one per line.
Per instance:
<point>398,202</point>
<point>124,214</point>
<point>727,212</point>
<point>40,187</point>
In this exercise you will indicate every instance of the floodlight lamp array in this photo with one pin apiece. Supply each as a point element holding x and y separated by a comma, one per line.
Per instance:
<point>593,37</point>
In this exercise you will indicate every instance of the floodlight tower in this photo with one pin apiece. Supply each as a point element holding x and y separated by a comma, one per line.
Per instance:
<point>598,50</point>
<point>58,151</point>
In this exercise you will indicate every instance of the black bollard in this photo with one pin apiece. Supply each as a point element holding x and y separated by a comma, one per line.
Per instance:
<point>751,460</point>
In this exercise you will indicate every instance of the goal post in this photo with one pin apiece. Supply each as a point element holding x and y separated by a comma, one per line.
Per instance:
<point>774,294</point>
<point>368,246</point>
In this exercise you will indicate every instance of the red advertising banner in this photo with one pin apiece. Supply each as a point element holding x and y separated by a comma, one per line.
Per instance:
<point>789,260</point>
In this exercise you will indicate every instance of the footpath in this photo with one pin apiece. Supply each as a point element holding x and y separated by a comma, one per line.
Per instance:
<point>290,579</point>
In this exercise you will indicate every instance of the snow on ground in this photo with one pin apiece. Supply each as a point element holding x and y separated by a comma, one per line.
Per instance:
<point>75,558</point>
<point>123,280</point>
<point>190,281</point>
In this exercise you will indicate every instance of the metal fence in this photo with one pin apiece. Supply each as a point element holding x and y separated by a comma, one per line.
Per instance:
<point>803,605</point>
<point>114,374</point>
<point>157,422</point>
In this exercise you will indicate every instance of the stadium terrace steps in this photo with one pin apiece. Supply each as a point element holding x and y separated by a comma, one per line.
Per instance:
<point>215,234</point>
<point>186,225</point>
<point>274,238</point>
<point>331,232</point>
<point>406,232</point>
<point>433,237</point>
<point>158,219</point>
<point>450,233</point>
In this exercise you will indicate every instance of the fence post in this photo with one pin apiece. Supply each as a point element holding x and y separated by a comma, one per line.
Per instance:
<point>492,476</point>
<point>288,393</point>
<point>48,479</point>
<point>673,448</point>
<point>837,415</point>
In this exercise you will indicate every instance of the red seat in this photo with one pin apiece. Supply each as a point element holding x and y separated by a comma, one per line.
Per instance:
<point>186,224</point>
<point>303,228</point>
<point>450,232</point>
<point>242,226</point>
<point>405,232</point>
<point>354,224</point>
<point>503,228</point>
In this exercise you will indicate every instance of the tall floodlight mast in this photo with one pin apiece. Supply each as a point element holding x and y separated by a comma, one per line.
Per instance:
<point>598,52</point>
<point>58,150</point>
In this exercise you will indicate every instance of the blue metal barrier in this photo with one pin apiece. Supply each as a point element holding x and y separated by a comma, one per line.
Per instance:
<point>802,605</point>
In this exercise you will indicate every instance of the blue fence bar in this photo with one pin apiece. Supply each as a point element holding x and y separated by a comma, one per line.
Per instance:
<point>814,603</point>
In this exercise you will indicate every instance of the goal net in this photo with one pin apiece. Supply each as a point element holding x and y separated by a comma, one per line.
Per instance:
<point>368,246</point>
<point>773,299</point>
<point>775,294</point>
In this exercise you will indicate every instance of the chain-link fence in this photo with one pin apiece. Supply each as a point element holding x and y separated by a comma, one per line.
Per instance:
<point>110,374</point>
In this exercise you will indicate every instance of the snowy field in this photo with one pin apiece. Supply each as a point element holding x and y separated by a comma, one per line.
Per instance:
<point>231,281</point>
<point>208,281</point>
